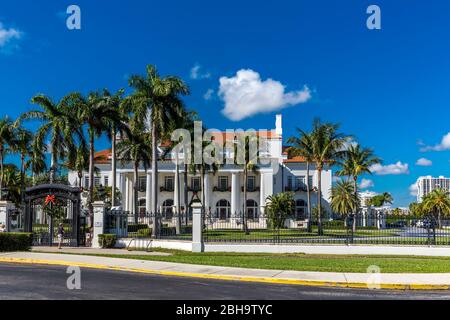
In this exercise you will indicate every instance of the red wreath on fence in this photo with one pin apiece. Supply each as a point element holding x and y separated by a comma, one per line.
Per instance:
<point>50,199</point>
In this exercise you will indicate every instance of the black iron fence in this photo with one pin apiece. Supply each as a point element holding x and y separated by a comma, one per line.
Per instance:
<point>361,229</point>
<point>140,226</point>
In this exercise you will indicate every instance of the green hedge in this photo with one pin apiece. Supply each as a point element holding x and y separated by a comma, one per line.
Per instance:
<point>107,240</point>
<point>15,241</point>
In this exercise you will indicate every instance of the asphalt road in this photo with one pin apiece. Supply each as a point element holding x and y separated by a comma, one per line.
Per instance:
<point>49,282</point>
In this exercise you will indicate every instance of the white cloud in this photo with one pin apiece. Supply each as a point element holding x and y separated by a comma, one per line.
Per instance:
<point>246,95</point>
<point>394,169</point>
<point>413,190</point>
<point>424,162</point>
<point>444,145</point>
<point>366,183</point>
<point>7,35</point>
<point>208,95</point>
<point>197,74</point>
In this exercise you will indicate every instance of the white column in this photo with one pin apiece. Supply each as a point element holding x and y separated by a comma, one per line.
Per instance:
<point>148,192</point>
<point>235,192</point>
<point>5,207</point>
<point>207,192</point>
<point>176,191</point>
<point>262,196</point>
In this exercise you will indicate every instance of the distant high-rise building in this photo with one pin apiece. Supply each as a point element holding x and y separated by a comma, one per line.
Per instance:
<point>427,184</point>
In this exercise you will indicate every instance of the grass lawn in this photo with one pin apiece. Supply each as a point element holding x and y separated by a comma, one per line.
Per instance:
<point>302,262</point>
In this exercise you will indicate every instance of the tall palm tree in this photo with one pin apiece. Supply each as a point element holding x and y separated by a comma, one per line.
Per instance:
<point>22,145</point>
<point>6,128</point>
<point>115,101</point>
<point>343,198</point>
<point>78,161</point>
<point>58,127</point>
<point>303,146</point>
<point>438,203</point>
<point>328,149</point>
<point>357,161</point>
<point>98,116</point>
<point>160,99</point>
<point>137,149</point>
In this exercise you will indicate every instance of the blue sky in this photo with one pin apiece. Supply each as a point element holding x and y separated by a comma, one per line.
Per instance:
<point>388,87</point>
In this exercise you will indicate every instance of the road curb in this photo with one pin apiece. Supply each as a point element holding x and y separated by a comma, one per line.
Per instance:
<point>312,283</point>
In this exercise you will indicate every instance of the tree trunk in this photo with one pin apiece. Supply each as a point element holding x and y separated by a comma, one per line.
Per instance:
<point>319,201</point>
<point>91,177</point>
<point>154,202</point>
<point>355,183</point>
<point>53,165</point>
<point>22,175</point>
<point>186,194</point>
<point>80,177</point>
<point>136,192</point>
<point>308,191</point>
<point>113,169</point>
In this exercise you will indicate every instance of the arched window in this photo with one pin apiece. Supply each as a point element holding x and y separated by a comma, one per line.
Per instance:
<point>167,209</point>
<point>300,209</point>
<point>223,209</point>
<point>252,209</point>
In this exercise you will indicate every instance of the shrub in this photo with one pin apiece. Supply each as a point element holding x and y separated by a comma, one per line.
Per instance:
<point>143,233</point>
<point>136,227</point>
<point>107,240</point>
<point>15,241</point>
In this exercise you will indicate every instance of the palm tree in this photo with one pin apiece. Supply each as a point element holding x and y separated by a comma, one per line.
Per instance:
<point>58,127</point>
<point>22,144</point>
<point>328,148</point>
<point>136,148</point>
<point>6,128</point>
<point>115,101</point>
<point>248,162</point>
<point>303,147</point>
<point>79,161</point>
<point>416,209</point>
<point>99,116</point>
<point>343,198</point>
<point>159,98</point>
<point>279,207</point>
<point>381,199</point>
<point>36,161</point>
<point>437,202</point>
<point>357,161</point>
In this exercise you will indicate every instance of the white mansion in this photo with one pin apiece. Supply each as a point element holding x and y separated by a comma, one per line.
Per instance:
<point>224,189</point>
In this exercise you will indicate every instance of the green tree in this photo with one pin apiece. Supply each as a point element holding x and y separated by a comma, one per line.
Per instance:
<point>6,129</point>
<point>98,116</point>
<point>343,198</point>
<point>159,99</point>
<point>22,145</point>
<point>357,161</point>
<point>437,202</point>
<point>328,148</point>
<point>279,207</point>
<point>381,199</point>
<point>303,146</point>
<point>136,148</point>
<point>57,127</point>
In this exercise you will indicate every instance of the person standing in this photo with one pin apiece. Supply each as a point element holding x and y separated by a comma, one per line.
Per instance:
<point>60,235</point>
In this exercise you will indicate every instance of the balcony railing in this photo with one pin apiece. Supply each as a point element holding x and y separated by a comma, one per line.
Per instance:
<point>255,189</point>
<point>222,189</point>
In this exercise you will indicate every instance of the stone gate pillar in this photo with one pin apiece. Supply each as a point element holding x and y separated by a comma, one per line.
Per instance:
<point>5,207</point>
<point>99,217</point>
<point>197,228</point>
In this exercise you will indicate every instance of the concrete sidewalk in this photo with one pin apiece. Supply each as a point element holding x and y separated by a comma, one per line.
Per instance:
<point>350,280</point>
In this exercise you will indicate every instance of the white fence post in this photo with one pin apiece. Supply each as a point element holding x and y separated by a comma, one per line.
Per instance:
<point>5,207</point>
<point>197,228</point>
<point>99,216</point>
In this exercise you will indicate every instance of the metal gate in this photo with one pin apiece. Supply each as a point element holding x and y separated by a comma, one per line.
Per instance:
<point>48,207</point>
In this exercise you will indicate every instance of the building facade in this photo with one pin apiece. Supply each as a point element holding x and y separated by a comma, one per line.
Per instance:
<point>427,184</point>
<point>223,192</point>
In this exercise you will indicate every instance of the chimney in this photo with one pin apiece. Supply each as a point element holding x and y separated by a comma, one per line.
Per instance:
<point>278,125</point>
